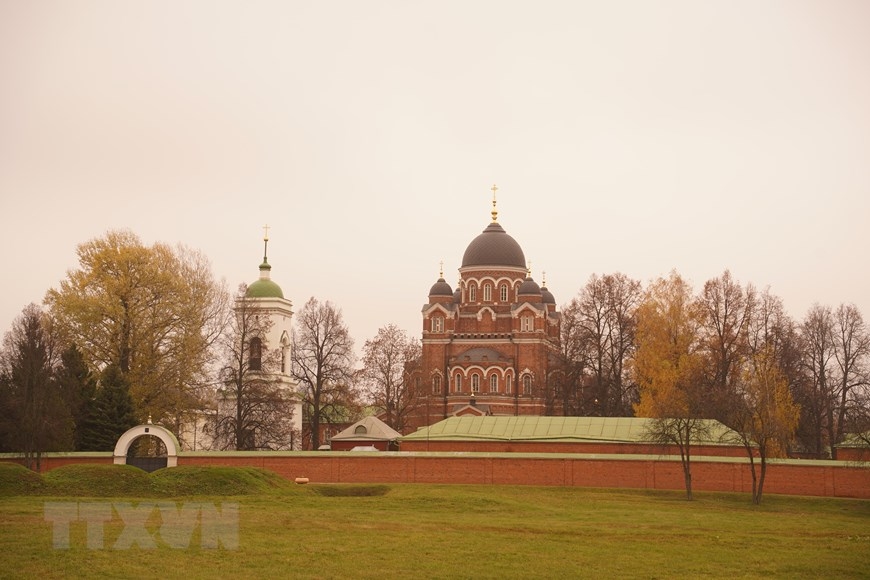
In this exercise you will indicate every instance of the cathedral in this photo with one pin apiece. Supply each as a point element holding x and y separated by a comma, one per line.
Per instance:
<point>489,346</point>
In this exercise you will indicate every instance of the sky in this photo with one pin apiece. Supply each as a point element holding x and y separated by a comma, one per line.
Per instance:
<point>630,136</point>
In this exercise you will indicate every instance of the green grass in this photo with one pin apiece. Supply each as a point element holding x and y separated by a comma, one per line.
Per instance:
<point>452,531</point>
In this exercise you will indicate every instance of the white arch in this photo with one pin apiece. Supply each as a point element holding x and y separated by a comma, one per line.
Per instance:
<point>165,435</point>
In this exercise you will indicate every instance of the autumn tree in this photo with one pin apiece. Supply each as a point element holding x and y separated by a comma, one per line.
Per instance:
<point>153,311</point>
<point>254,409</point>
<point>764,415</point>
<point>34,418</point>
<point>851,377</point>
<point>322,363</point>
<point>598,338</point>
<point>668,366</point>
<point>389,361</point>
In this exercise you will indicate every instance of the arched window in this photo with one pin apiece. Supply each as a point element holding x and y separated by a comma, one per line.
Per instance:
<point>507,385</point>
<point>285,353</point>
<point>360,430</point>
<point>436,385</point>
<point>487,293</point>
<point>527,384</point>
<point>255,354</point>
<point>527,323</point>
<point>472,293</point>
<point>475,383</point>
<point>504,292</point>
<point>438,324</point>
<point>493,383</point>
<point>457,384</point>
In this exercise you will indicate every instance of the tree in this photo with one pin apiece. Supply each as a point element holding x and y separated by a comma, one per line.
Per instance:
<point>78,389</point>
<point>851,373</point>
<point>323,363</point>
<point>598,333</point>
<point>389,361</point>
<point>34,418</point>
<point>727,310</point>
<point>836,361</point>
<point>113,412</point>
<point>668,365</point>
<point>152,311</point>
<point>765,416</point>
<point>254,410</point>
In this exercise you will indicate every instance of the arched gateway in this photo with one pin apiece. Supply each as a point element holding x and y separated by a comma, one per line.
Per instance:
<point>165,435</point>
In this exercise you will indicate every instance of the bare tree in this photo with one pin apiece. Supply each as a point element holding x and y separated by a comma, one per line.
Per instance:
<point>389,362</point>
<point>727,309</point>
<point>254,410</point>
<point>836,364</point>
<point>323,363</point>
<point>598,337</point>
<point>851,372</point>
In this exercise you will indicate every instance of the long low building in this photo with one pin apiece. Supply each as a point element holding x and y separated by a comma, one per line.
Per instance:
<point>531,434</point>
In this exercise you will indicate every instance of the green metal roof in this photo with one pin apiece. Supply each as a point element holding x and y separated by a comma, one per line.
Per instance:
<point>558,429</point>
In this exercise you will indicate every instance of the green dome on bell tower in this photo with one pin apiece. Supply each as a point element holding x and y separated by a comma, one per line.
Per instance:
<point>264,287</point>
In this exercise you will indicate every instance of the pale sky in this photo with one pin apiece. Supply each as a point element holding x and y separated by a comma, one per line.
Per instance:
<point>629,136</point>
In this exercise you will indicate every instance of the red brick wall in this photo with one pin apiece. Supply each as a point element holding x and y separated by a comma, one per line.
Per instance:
<point>808,477</point>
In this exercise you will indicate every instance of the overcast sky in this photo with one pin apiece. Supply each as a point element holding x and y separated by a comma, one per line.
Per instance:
<point>633,136</point>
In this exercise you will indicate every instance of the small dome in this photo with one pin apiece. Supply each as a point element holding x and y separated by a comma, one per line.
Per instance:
<point>457,295</point>
<point>441,288</point>
<point>529,286</point>
<point>264,287</point>
<point>547,296</point>
<point>494,247</point>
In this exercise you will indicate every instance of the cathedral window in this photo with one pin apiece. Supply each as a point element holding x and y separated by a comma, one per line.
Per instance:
<point>475,383</point>
<point>527,385</point>
<point>438,324</point>
<point>507,385</point>
<point>504,292</point>
<point>472,293</point>
<point>436,385</point>
<point>255,354</point>
<point>487,293</point>
<point>457,384</point>
<point>493,384</point>
<point>527,323</point>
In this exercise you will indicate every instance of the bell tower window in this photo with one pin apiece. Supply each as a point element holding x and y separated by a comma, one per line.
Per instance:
<point>255,354</point>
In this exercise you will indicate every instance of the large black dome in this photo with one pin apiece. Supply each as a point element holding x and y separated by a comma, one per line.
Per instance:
<point>494,247</point>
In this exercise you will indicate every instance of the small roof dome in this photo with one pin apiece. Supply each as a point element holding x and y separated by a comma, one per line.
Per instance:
<point>529,286</point>
<point>457,295</point>
<point>494,247</point>
<point>547,296</point>
<point>264,287</point>
<point>441,288</point>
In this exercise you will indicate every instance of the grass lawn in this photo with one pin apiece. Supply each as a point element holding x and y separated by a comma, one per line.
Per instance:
<point>434,531</point>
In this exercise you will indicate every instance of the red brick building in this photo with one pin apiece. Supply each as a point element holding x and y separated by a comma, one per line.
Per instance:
<point>490,345</point>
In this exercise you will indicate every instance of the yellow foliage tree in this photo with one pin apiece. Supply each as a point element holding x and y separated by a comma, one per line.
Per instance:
<point>154,311</point>
<point>667,368</point>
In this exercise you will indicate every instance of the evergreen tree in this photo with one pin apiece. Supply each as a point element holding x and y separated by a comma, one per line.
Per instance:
<point>79,390</point>
<point>113,412</point>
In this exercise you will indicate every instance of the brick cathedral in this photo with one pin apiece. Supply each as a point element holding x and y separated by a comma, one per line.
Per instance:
<point>490,345</point>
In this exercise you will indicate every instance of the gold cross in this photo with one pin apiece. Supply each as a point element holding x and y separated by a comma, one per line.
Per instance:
<point>441,271</point>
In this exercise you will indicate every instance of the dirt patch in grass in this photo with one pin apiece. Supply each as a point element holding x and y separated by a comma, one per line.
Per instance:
<point>351,490</point>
